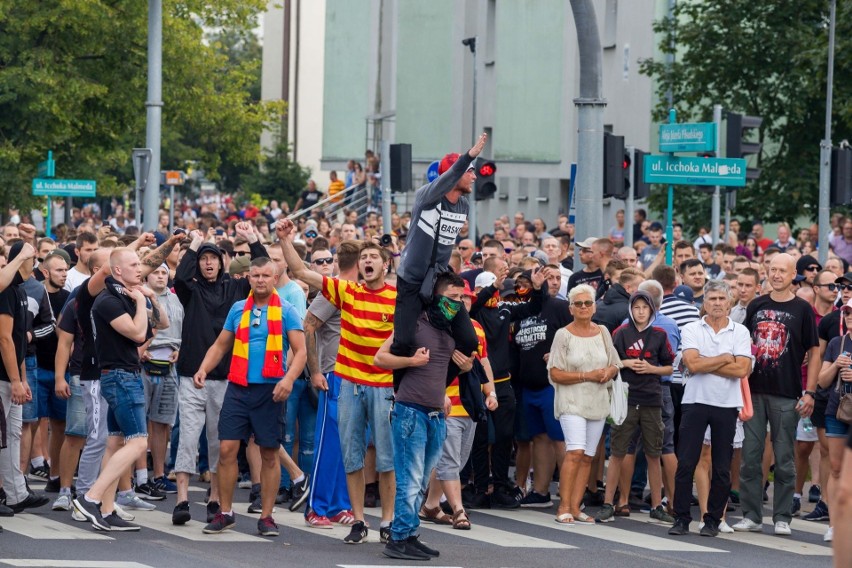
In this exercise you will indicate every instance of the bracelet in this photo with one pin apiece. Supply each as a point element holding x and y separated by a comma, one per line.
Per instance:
<point>396,254</point>
<point>583,376</point>
<point>492,393</point>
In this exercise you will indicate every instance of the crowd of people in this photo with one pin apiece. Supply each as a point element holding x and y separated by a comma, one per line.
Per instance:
<point>330,363</point>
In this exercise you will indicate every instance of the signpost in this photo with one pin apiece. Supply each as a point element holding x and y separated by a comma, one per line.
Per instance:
<point>432,171</point>
<point>172,178</point>
<point>679,170</point>
<point>47,168</point>
<point>45,185</point>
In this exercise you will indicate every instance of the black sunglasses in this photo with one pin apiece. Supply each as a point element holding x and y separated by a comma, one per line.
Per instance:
<point>241,252</point>
<point>841,287</point>
<point>322,261</point>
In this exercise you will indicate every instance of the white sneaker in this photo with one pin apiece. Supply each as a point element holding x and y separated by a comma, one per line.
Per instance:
<point>724,527</point>
<point>782,528</point>
<point>122,514</point>
<point>78,516</point>
<point>747,525</point>
<point>133,501</point>
<point>62,503</point>
<point>829,535</point>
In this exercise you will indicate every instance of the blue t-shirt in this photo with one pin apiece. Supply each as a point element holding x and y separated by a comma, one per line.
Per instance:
<point>257,337</point>
<point>292,293</point>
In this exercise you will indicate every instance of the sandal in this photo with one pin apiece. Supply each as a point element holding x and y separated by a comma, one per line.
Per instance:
<point>435,515</point>
<point>461,521</point>
<point>565,519</point>
<point>584,519</point>
<point>622,510</point>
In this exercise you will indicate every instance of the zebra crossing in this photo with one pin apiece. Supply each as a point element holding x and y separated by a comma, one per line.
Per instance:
<point>497,529</point>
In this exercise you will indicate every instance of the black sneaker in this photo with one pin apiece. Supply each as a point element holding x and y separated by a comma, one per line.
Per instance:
<point>422,546</point>
<point>267,527</point>
<point>6,511</point>
<point>40,473</point>
<point>679,528</point>
<point>255,492</point>
<point>52,486</point>
<point>709,529</point>
<point>220,523</point>
<point>181,515</point>
<point>357,534</point>
<point>213,509</point>
<point>92,511</point>
<point>300,493</point>
<point>150,492</point>
<point>479,501</point>
<point>33,501</point>
<point>814,494</point>
<point>404,550</point>
<point>820,513</point>
<point>637,503</point>
<point>501,499</point>
<point>284,496</point>
<point>797,506</point>
<point>537,500</point>
<point>256,506</point>
<point>371,494</point>
<point>595,499</point>
<point>2,496</point>
<point>384,534</point>
<point>118,524</point>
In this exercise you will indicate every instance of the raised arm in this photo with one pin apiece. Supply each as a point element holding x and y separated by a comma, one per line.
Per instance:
<point>283,229</point>
<point>7,273</point>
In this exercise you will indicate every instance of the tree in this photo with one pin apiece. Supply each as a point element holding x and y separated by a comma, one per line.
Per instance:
<point>73,79</point>
<point>279,177</point>
<point>756,57</point>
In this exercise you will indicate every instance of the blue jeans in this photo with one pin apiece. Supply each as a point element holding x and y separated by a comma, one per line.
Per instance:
<point>49,405</point>
<point>299,409</point>
<point>30,409</point>
<point>418,437</point>
<point>125,395</point>
<point>359,406</point>
<point>75,415</point>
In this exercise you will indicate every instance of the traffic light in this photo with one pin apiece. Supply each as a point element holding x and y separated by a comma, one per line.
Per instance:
<point>626,166</point>
<point>400,167</point>
<point>485,181</point>
<point>738,145</point>
<point>641,190</point>
<point>614,169</point>
<point>841,176</point>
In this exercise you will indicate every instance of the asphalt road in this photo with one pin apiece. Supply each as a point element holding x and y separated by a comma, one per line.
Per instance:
<point>523,538</point>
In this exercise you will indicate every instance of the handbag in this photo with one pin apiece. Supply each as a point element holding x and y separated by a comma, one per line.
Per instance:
<point>747,411</point>
<point>618,401</point>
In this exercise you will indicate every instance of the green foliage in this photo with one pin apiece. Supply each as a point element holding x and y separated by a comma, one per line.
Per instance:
<point>279,177</point>
<point>73,79</point>
<point>757,57</point>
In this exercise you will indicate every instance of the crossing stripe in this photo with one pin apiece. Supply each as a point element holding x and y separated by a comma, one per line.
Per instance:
<point>601,531</point>
<point>42,528</point>
<point>809,527</point>
<point>53,563</point>
<point>296,520</point>
<point>763,540</point>
<point>161,521</point>
<point>497,537</point>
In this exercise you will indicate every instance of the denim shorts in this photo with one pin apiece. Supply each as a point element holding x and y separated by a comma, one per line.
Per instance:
<point>834,428</point>
<point>161,397</point>
<point>49,405</point>
<point>30,409</point>
<point>75,409</point>
<point>250,410</point>
<point>125,396</point>
<point>538,408</point>
<point>358,406</point>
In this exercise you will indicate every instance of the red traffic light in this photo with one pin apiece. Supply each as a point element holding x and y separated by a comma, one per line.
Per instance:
<point>487,169</point>
<point>625,163</point>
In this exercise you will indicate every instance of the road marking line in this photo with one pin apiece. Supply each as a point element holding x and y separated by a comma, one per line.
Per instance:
<point>41,528</point>
<point>497,537</point>
<point>601,531</point>
<point>161,521</point>
<point>52,563</point>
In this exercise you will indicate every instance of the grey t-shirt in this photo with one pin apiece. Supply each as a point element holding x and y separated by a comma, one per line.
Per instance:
<point>427,385</point>
<point>433,215</point>
<point>328,334</point>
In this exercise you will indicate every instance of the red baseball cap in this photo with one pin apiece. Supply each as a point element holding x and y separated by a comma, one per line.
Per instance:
<point>469,292</point>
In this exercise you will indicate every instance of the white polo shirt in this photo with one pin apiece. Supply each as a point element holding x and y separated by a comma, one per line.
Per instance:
<point>710,388</point>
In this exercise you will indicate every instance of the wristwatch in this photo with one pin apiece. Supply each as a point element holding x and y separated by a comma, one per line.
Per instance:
<point>811,393</point>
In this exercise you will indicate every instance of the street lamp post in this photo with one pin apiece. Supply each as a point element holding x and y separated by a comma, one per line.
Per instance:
<point>470,42</point>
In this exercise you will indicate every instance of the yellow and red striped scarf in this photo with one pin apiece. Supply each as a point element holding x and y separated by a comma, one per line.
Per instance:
<point>272,360</point>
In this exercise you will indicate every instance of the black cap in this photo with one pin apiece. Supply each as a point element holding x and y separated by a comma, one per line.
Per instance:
<point>806,261</point>
<point>71,249</point>
<point>847,277</point>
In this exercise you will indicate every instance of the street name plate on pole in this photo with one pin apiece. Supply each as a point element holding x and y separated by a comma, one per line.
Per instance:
<point>65,187</point>
<point>688,137</point>
<point>681,170</point>
<point>47,168</point>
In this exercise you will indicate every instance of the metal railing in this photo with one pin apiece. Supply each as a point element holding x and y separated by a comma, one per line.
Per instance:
<point>354,197</point>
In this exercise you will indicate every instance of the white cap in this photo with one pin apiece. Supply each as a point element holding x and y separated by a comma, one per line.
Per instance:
<point>485,279</point>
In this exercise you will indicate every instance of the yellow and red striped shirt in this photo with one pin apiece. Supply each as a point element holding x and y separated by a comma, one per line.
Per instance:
<point>366,321</point>
<point>458,410</point>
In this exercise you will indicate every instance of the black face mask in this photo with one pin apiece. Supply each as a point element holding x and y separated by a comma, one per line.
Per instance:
<point>442,311</point>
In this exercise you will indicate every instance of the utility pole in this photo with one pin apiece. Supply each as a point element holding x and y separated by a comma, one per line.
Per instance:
<point>154,112</point>
<point>471,216</point>
<point>630,204</point>
<point>825,144</point>
<point>714,222</point>
<point>590,105</point>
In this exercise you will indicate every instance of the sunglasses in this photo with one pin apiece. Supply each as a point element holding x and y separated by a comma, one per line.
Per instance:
<point>322,261</point>
<point>256,321</point>
<point>463,248</point>
<point>840,287</point>
<point>583,303</point>
<point>812,268</point>
<point>508,250</point>
<point>311,235</point>
<point>241,252</point>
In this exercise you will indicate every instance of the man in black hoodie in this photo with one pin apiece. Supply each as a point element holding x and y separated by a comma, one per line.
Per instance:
<point>613,308</point>
<point>207,292</point>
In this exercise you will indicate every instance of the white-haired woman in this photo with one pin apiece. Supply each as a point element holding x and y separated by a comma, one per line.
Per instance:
<point>581,363</point>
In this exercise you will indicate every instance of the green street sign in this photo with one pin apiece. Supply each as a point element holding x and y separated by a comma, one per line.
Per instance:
<point>64,187</point>
<point>47,169</point>
<point>678,170</point>
<point>688,137</point>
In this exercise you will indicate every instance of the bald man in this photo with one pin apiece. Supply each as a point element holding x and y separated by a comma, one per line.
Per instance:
<point>784,333</point>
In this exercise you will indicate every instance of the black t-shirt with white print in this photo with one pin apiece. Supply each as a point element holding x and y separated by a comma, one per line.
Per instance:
<point>534,336</point>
